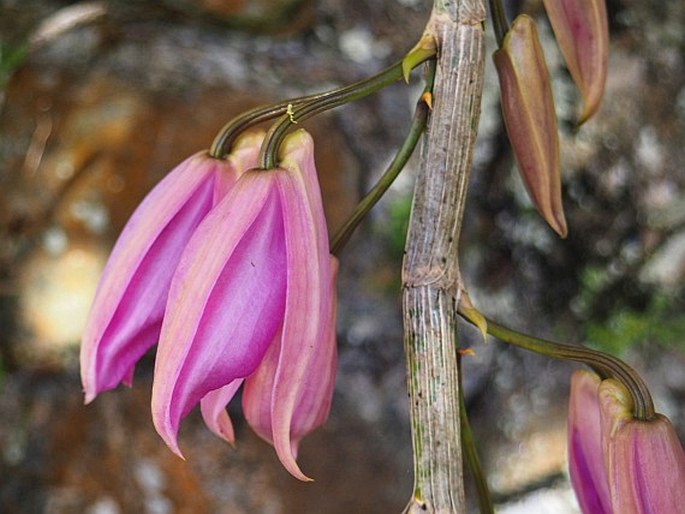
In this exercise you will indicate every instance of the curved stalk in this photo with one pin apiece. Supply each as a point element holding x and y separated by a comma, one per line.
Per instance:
<point>613,366</point>
<point>499,20</point>
<point>326,100</point>
<point>221,145</point>
<point>416,128</point>
<point>274,137</point>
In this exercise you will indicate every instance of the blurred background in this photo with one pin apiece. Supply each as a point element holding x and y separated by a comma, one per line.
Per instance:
<point>98,100</point>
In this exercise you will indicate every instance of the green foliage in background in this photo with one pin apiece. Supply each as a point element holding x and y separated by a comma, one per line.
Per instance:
<point>11,58</point>
<point>661,322</point>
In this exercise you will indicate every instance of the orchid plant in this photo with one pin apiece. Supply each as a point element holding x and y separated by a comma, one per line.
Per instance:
<point>228,268</point>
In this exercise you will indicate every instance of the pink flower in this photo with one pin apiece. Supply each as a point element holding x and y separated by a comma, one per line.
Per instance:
<point>252,299</point>
<point>618,464</point>
<point>126,315</point>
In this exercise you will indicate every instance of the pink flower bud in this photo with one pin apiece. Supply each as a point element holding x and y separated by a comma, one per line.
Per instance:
<point>618,464</point>
<point>126,315</point>
<point>530,120</point>
<point>644,460</point>
<point>582,31</point>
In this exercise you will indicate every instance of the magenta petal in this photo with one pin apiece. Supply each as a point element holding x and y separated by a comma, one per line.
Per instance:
<point>298,158</point>
<point>308,292</point>
<point>213,408</point>
<point>290,393</point>
<point>316,393</point>
<point>225,304</point>
<point>126,315</point>
<point>258,391</point>
<point>585,455</point>
<point>244,156</point>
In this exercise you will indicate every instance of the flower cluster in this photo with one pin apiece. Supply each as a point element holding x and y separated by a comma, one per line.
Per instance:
<point>227,268</point>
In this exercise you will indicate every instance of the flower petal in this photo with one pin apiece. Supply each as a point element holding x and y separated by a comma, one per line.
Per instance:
<point>244,156</point>
<point>258,392</point>
<point>126,315</point>
<point>585,455</point>
<point>308,292</point>
<point>225,303</point>
<point>313,404</point>
<point>213,408</point>
<point>316,392</point>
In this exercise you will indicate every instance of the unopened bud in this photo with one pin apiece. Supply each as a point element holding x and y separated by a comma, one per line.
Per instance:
<point>530,120</point>
<point>582,32</point>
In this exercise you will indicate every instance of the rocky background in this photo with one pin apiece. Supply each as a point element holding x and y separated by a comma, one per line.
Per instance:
<point>98,100</point>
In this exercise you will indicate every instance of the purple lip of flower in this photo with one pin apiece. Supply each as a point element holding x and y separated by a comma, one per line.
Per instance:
<point>620,465</point>
<point>252,297</point>
<point>126,315</point>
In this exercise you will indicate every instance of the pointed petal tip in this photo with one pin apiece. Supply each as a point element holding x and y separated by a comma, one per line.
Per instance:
<point>589,110</point>
<point>557,221</point>
<point>287,453</point>
<point>170,438</point>
<point>223,429</point>
<point>297,473</point>
<point>166,430</point>
<point>175,449</point>
<point>561,229</point>
<point>291,466</point>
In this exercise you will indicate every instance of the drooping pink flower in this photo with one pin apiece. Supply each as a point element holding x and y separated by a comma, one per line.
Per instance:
<point>644,460</point>
<point>126,315</point>
<point>582,31</point>
<point>252,299</point>
<point>618,464</point>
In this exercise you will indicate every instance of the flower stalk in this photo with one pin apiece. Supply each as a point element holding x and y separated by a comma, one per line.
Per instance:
<point>604,363</point>
<point>223,141</point>
<point>499,20</point>
<point>297,109</point>
<point>405,151</point>
<point>471,457</point>
<point>268,157</point>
